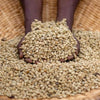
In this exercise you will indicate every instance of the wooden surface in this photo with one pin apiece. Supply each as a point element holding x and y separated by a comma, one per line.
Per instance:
<point>87,17</point>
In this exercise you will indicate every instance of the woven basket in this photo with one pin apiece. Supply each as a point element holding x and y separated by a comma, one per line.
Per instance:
<point>87,17</point>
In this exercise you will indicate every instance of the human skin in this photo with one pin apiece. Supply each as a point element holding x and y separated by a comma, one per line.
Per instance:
<point>66,9</point>
<point>33,10</point>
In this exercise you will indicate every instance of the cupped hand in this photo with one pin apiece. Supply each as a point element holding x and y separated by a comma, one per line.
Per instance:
<point>28,60</point>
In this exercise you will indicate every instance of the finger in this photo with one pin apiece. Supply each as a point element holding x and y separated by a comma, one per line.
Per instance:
<point>62,60</point>
<point>20,54</point>
<point>19,50</point>
<point>69,58</point>
<point>78,48</point>
<point>28,60</point>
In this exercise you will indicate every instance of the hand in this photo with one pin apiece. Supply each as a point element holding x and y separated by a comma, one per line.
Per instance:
<point>66,9</point>
<point>32,10</point>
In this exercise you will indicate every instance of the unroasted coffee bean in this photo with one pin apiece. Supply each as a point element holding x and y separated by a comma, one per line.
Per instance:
<point>50,79</point>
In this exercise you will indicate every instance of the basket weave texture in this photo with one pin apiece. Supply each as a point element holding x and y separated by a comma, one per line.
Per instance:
<point>87,17</point>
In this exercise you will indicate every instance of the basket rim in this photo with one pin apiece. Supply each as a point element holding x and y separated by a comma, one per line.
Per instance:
<point>93,94</point>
